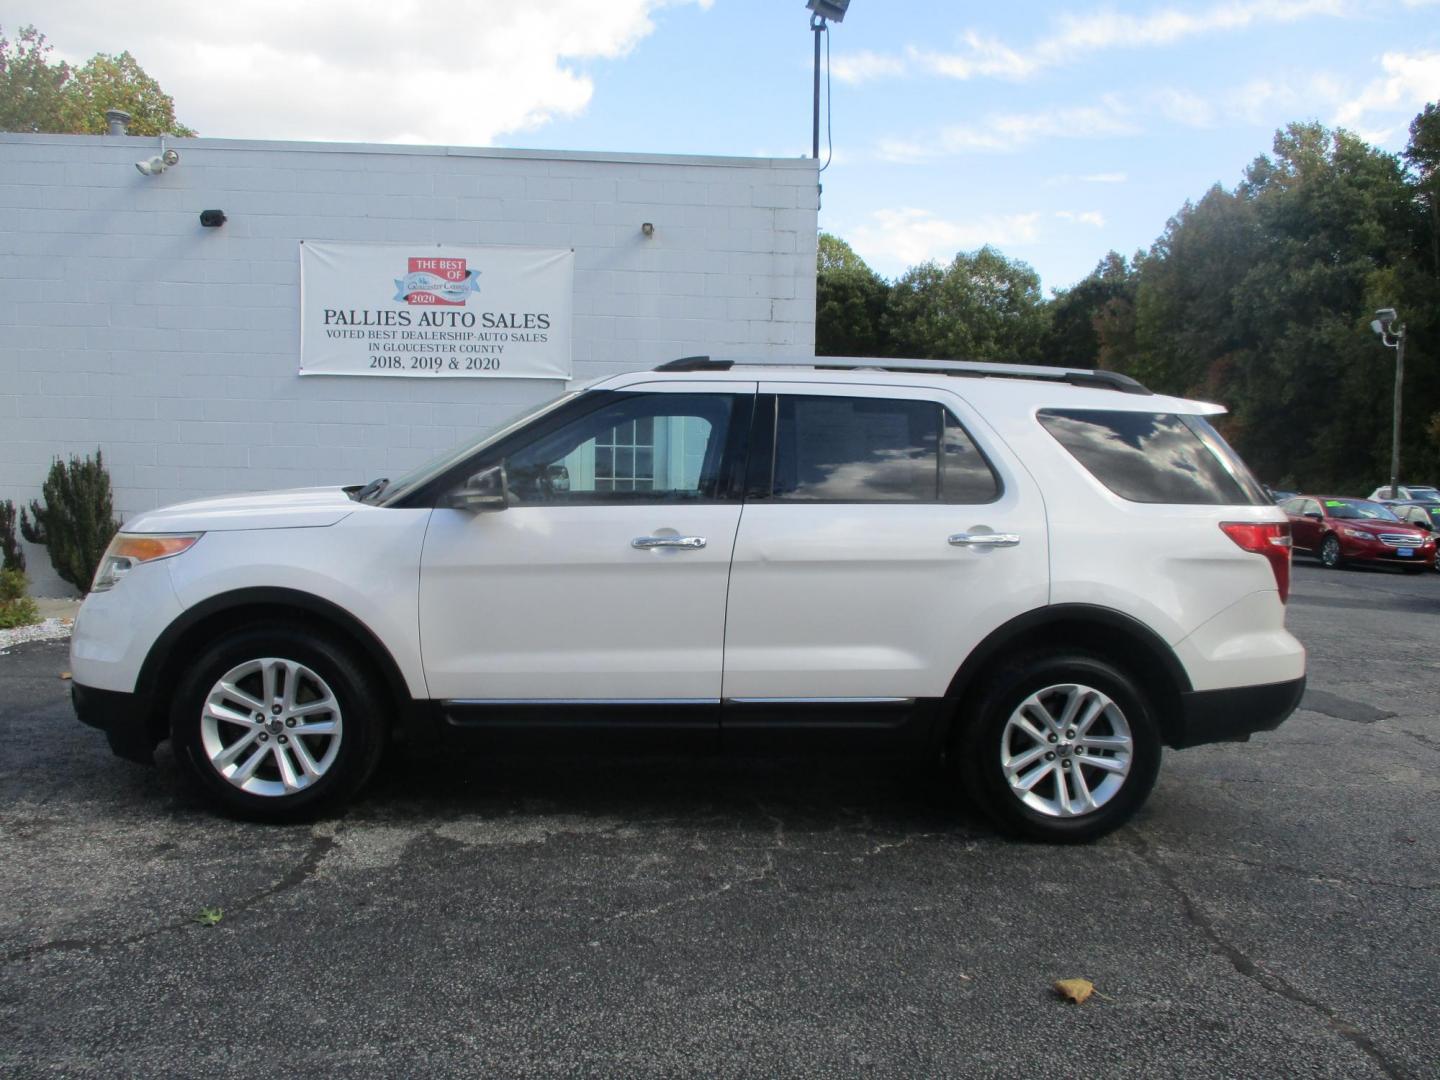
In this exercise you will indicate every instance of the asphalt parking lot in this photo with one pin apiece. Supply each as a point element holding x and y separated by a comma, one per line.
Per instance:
<point>1270,914</point>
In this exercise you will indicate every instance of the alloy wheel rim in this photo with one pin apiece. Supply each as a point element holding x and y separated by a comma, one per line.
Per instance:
<point>271,727</point>
<point>1066,750</point>
<point>1330,551</point>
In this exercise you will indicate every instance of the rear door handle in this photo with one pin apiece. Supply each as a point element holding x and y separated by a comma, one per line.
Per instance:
<point>985,539</point>
<point>645,542</point>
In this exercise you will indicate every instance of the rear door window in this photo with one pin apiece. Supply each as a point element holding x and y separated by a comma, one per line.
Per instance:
<point>861,449</point>
<point>1155,457</point>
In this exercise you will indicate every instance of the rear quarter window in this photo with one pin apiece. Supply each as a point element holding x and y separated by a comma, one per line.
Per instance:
<point>1155,457</point>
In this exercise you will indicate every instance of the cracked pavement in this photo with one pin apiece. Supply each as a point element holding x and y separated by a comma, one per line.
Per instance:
<point>1269,914</point>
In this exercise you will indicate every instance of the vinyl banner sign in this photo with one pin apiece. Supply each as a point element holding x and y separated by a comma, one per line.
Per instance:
<point>435,311</point>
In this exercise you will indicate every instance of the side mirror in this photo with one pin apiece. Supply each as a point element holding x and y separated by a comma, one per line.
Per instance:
<point>486,490</point>
<point>1315,515</point>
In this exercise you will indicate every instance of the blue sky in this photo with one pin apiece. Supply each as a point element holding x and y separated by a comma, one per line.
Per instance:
<point>1054,131</point>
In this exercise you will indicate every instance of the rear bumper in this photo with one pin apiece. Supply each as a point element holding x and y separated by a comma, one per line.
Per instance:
<point>1208,716</point>
<point>120,716</point>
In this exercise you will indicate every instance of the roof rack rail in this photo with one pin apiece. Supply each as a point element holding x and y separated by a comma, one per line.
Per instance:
<point>1103,380</point>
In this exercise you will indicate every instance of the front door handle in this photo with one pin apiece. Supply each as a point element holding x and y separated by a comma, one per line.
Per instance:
<point>985,539</point>
<point>645,542</point>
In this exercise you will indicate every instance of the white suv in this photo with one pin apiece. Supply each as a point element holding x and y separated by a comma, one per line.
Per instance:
<point>1040,575</point>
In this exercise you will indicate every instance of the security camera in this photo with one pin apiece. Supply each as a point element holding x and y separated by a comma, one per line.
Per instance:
<point>1385,316</point>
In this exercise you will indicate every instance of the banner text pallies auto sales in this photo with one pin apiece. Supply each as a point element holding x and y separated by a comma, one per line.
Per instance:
<point>489,320</point>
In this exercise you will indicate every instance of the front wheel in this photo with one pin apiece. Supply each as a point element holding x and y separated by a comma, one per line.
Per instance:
<point>1330,552</point>
<point>1060,748</point>
<point>277,724</point>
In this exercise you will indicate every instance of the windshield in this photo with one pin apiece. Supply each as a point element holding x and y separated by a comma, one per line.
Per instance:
<point>1357,510</point>
<point>398,489</point>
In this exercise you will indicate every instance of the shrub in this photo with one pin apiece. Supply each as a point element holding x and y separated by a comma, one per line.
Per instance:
<point>11,557</point>
<point>76,522</point>
<point>16,609</point>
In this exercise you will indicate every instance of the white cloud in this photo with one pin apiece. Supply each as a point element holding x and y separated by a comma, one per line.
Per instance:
<point>1082,217</point>
<point>982,56</point>
<point>1011,131</point>
<point>1185,108</point>
<point>865,65</point>
<point>906,236</point>
<point>1079,35</point>
<point>1410,80</point>
<point>398,71</point>
<point>1104,178</point>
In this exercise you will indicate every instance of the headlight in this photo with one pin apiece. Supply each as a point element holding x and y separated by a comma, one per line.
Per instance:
<point>129,550</point>
<point>1358,534</point>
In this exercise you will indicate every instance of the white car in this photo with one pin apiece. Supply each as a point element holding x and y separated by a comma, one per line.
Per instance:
<point>1040,575</point>
<point>1421,493</point>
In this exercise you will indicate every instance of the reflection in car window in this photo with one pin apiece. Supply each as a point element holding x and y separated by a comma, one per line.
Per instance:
<point>642,448</point>
<point>1155,457</point>
<point>1357,510</point>
<point>435,467</point>
<point>843,449</point>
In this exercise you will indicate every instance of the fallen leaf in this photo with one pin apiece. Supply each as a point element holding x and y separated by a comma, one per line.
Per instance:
<point>1076,990</point>
<point>64,674</point>
<point>209,916</point>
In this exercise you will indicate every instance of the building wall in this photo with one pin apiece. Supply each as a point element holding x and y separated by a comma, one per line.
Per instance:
<point>125,325</point>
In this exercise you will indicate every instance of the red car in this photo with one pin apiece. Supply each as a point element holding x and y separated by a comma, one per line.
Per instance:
<point>1338,531</point>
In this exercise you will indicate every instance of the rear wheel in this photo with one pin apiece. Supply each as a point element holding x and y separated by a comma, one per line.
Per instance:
<point>277,724</point>
<point>1330,552</point>
<point>1059,747</point>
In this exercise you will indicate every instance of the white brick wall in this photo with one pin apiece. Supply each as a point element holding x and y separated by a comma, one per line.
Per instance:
<point>126,325</point>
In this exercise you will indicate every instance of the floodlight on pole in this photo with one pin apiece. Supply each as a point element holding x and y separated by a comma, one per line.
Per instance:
<point>823,10</point>
<point>834,10</point>
<point>1392,335</point>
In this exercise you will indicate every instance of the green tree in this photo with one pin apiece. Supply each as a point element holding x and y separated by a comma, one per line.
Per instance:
<point>76,521</point>
<point>119,82</point>
<point>1261,297</point>
<point>31,88</point>
<point>982,306</point>
<point>11,556</point>
<point>1085,319</point>
<point>1423,156</point>
<point>850,303</point>
<point>36,95</point>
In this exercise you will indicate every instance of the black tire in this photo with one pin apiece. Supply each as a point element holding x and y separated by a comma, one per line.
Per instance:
<point>980,744</point>
<point>1330,556</point>
<point>361,729</point>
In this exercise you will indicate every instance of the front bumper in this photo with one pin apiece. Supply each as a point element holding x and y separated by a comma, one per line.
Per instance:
<point>1375,551</point>
<point>121,716</point>
<point>1234,714</point>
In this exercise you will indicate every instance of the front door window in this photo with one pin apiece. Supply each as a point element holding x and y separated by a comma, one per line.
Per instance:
<point>649,447</point>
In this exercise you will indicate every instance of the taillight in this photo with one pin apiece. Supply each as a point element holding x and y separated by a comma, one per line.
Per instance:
<point>1268,538</point>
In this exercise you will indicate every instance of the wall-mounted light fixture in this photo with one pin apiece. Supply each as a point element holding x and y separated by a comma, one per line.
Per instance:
<point>647,229</point>
<point>212,219</point>
<point>160,162</point>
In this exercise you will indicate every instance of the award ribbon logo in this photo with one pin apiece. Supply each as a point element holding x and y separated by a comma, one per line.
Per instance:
<point>433,281</point>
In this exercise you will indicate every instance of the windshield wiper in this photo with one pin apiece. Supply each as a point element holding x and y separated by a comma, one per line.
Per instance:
<point>374,487</point>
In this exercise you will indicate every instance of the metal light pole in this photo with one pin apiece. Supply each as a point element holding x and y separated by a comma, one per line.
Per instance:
<point>1392,336</point>
<point>834,10</point>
